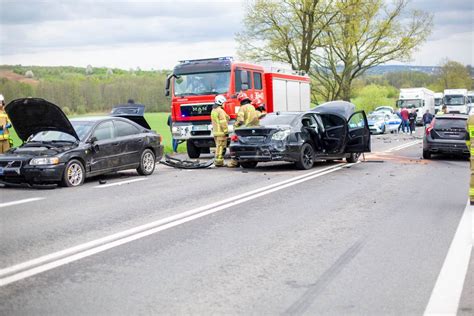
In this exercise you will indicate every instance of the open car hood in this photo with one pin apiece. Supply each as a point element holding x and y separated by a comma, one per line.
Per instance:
<point>342,108</point>
<point>133,112</point>
<point>33,115</point>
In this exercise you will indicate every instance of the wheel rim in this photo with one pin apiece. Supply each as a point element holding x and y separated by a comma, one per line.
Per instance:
<point>75,174</point>
<point>148,162</point>
<point>307,157</point>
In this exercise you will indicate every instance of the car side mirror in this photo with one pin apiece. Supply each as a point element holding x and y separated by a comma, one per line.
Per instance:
<point>92,140</point>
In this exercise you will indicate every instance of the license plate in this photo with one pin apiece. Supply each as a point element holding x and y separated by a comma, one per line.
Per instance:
<point>1,171</point>
<point>200,128</point>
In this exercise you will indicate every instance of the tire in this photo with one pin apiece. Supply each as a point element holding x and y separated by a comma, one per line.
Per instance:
<point>306,158</point>
<point>354,157</point>
<point>249,164</point>
<point>147,163</point>
<point>193,151</point>
<point>74,174</point>
<point>426,154</point>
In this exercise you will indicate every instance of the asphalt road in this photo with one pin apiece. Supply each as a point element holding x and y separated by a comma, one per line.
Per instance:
<point>368,239</point>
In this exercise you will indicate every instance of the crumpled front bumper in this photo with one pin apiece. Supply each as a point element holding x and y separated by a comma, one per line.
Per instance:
<point>262,153</point>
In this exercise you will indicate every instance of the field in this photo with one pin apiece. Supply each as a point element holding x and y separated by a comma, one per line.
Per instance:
<point>157,122</point>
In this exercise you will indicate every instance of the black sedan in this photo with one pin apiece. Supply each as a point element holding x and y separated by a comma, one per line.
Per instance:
<point>58,150</point>
<point>447,134</point>
<point>328,132</point>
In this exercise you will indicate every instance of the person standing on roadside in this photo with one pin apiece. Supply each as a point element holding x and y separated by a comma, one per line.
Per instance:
<point>405,115</point>
<point>401,120</point>
<point>4,126</point>
<point>174,142</point>
<point>220,129</point>
<point>427,118</point>
<point>412,119</point>
<point>470,145</point>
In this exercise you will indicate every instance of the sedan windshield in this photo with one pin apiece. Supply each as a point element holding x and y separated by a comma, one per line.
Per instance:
<point>202,83</point>
<point>81,128</point>
<point>274,119</point>
<point>454,100</point>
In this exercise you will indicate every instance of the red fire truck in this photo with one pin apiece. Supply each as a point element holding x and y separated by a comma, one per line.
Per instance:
<point>194,84</point>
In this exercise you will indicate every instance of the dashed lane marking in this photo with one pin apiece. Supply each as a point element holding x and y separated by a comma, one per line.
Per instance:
<point>21,201</point>
<point>101,186</point>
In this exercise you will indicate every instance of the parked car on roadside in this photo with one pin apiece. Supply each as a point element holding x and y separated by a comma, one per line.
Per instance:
<point>446,134</point>
<point>330,131</point>
<point>58,150</point>
<point>381,122</point>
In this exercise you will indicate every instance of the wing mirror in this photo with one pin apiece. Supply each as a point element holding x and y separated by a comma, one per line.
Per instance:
<point>92,140</point>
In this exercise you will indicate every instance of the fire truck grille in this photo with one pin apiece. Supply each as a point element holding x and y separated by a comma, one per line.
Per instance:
<point>196,110</point>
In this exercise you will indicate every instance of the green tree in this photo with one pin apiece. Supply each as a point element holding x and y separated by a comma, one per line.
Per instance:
<point>286,31</point>
<point>334,41</point>
<point>453,75</point>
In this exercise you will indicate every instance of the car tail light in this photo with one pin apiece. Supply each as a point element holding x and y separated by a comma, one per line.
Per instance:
<point>430,127</point>
<point>234,138</point>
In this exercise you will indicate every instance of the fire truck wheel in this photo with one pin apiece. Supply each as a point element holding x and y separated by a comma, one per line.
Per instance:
<point>193,150</point>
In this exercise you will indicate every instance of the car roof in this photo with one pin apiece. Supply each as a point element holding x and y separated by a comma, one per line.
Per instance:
<point>90,118</point>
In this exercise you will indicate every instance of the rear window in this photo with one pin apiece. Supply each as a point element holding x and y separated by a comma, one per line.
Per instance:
<point>442,123</point>
<point>273,119</point>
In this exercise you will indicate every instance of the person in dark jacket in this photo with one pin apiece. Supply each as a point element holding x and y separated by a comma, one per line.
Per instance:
<point>412,119</point>
<point>175,142</point>
<point>427,118</point>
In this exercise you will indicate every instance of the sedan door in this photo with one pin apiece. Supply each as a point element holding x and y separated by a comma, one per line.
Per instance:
<point>131,142</point>
<point>358,138</point>
<point>105,148</point>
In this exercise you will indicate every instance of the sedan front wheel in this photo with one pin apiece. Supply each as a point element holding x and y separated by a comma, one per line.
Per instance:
<point>74,174</point>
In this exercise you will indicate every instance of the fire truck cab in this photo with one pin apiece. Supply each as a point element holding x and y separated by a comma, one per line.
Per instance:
<point>194,84</point>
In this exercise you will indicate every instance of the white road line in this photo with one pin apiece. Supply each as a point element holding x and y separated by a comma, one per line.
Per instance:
<point>29,268</point>
<point>21,201</point>
<point>402,146</point>
<point>447,291</point>
<point>101,186</point>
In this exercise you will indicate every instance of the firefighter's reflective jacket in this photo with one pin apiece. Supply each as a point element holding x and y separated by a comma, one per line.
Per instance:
<point>247,116</point>
<point>220,121</point>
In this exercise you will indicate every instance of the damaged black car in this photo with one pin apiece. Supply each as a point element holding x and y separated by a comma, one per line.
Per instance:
<point>58,150</point>
<point>331,131</point>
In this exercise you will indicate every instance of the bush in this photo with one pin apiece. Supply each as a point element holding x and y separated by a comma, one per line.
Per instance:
<point>371,96</point>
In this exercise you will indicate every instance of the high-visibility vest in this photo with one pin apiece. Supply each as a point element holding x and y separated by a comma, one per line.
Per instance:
<point>470,131</point>
<point>247,116</point>
<point>219,120</point>
<point>4,124</point>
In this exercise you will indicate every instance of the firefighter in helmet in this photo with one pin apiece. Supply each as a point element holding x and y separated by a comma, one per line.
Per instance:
<point>5,141</point>
<point>260,108</point>
<point>246,117</point>
<point>470,146</point>
<point>220,130</point>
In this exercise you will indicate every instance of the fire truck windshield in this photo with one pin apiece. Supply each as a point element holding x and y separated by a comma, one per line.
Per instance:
<point>202,83</point>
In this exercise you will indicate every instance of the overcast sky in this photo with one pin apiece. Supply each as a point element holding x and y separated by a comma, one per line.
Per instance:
<point>156,34</point>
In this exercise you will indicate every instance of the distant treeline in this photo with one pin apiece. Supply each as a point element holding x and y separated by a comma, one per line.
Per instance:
<point>85,90</point>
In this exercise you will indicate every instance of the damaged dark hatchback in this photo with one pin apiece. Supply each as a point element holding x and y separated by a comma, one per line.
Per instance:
<point>58,150</point>
<point>328,132</point>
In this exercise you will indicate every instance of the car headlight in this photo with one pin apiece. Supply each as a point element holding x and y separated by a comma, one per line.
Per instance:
<point>281,135</point>
<point>44,161</point>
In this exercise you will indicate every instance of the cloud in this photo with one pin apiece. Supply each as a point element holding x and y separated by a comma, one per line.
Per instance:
<point>123,33</point>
